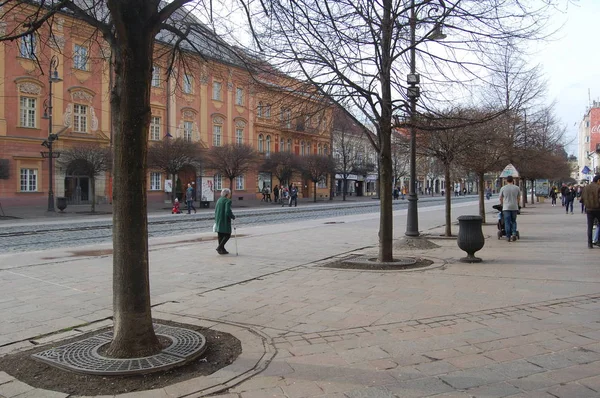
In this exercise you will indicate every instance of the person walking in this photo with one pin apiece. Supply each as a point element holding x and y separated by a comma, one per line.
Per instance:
<point>569,198</point>
<point>510,196</point>
<point>223,217</point>
<point>553,195</point>
<point>189,199</point>
<point>591,199</point>
<point>276,194</point>
<point>563,193</point>
<point>294,196</point>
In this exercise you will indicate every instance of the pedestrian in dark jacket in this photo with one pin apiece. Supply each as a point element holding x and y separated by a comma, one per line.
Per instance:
<point>570,194</point>
<point>223,217</point>
<point>294,195</point>
<point>591,199</point>
<point>189,199</point>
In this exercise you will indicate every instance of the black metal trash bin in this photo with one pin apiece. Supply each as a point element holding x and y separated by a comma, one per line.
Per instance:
<point>61,203</point>
<point>470,237</point>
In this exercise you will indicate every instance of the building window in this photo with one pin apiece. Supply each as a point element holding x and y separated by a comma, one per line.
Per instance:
<point>308,148</point>
<point>188,128</point>
<point>239,183</point>
<point>307,121</point>
<point>322,183</point>
<point>239,96</point>
<point>259,110</point>
<point>217,132</point>
<point>187,84</point>
<point>267,111</point>
<point>319,149</point>
<point>325,150</point>
<point>28,180</point>
<point>261,143</point>
<point>239,136</point>
<point>218,182</point>
<point>80,123</point>
<point>289,145</point>
<point>281,145</point>
<point>155,128</point>
<point>302,148</point>
<point>156,76</point>
<point>216,91</point>
<point>27,47</point>
<point>268,146</point>
<point>155,181</point>
<point>80,57</point>
<point>28,111</point>
<point>286,117</point>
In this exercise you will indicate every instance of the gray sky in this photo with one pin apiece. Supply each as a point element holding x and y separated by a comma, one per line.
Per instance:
<point>571,64</point>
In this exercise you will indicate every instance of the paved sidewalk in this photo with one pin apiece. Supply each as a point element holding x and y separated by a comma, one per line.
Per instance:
<point>524,323</point>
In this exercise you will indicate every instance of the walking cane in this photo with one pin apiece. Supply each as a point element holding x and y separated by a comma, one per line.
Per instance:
<point>235,236</point>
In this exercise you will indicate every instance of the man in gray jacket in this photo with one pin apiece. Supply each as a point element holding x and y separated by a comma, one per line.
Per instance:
<point>590,197</point>
<point>510,196</point>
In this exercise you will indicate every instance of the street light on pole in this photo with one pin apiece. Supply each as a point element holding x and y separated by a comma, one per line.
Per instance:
<point>413,92</point>
<point>48,143</point>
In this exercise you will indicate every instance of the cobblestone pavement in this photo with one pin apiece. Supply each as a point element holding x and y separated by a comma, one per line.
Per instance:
<point>524,323</point>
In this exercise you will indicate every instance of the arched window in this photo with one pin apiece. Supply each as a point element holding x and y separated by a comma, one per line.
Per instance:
<point>260,143</point>
<point>308,148</point>
<point>268,145</point>
<point>302,148</point>
<point>319,149</point>
<point>281,145</point>
<point>289,145</point>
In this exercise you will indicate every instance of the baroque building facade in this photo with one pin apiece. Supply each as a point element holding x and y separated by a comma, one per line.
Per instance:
<point>214,100</point>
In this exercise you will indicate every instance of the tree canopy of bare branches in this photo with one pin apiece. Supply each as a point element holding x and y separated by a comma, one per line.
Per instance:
<point>87,160</point>
<point>316,168</point>
<point>282,165</point>
<point>360,51</point>
<point>232,160</point>
<point>173,155</point>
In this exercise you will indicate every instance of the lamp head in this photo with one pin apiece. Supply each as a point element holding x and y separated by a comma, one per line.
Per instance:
<point>437,34</point>
<point>54,77</point>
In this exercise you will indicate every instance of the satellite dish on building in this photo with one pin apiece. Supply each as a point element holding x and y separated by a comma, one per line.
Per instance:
<point>509,170</point>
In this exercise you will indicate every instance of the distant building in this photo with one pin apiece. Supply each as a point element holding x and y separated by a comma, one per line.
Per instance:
<point>589,143</point>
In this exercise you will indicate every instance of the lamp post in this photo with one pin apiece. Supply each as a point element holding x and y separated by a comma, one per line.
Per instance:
<point>413,92</point>
<point>53,78</point>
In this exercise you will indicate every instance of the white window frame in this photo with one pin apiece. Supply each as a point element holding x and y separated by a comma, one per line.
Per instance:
<point>239,136</point>
<point>302,148</point>
<point>217,91</point>
<point>188,130</point>
<point>268,145</point>
<point>259,110</point>
<point>261,147</point>
<point>319,149</point>
<point>156,76</point>
<point>217,134</point>
<point>27,46</point>
<point>155,128</point>
<point>281,145</point>
<point>155,181</point>
<point>28,180</point>
<point>218,182</point>
<point>289,145</point>
<point>239,183</point>
<point>267,111</point>
<point>322,183</point>
<point>80,119</point>
<point>239,96</point>
<point>80,57</point>
<point>188,86</point>
<point>28,112</point>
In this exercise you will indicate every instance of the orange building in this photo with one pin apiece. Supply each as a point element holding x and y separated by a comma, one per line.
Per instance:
<point>214,100</point>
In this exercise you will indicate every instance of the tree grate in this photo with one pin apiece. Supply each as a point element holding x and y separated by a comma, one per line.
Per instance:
<point>83,357</point>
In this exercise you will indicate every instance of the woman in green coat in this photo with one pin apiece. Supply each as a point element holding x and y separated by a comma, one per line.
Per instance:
<point>223,217</point>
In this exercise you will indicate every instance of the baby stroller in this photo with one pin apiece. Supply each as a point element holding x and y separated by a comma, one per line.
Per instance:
<point>176,209</point>
<point>501,229</point>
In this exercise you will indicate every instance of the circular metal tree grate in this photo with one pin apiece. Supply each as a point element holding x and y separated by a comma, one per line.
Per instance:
<point>83,357</point>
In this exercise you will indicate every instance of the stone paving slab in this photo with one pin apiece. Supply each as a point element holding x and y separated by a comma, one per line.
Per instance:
<point>525,322</point>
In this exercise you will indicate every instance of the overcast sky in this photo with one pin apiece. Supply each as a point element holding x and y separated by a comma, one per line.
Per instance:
<point>572,65</point>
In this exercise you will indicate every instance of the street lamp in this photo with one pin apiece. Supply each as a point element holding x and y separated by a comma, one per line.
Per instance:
<point>413,92</point>
<point>52,78</point>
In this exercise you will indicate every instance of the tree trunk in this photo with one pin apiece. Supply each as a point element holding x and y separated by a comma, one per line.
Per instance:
<point>231,186</point>
<point>173,188</point>
<point>481,188</point>
<point>524,192</point>
<point>448,230</point>
<point>532,193</point>
<point>93,186</point>
<point>345,188</point>
<point>315,191</point>
<point>130,109</point>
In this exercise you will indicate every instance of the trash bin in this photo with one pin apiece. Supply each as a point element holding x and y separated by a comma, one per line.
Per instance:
<point>470,237</point>
<point>61,203</point>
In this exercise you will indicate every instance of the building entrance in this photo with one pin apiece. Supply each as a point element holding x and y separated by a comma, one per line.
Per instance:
<point>77,190</point>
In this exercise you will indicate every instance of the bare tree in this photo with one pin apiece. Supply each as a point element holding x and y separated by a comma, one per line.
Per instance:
<point>348,153</point>
<point>400,157</point>
<point>282,165</point>
<point>89,161</point>
<point>129,29</point>
<point>173,155</point>
<point>362,51</point>
<point>316,168</point>
<point>232,160</point>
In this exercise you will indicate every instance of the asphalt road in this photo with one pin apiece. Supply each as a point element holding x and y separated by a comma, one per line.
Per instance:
<point>40,236</point>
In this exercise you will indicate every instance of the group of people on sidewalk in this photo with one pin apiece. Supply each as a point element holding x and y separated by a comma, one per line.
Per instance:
<point>283,195</point>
